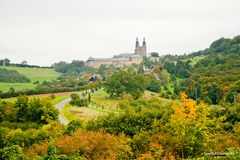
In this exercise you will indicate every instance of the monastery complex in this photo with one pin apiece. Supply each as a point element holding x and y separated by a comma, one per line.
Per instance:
<point>121,60</point>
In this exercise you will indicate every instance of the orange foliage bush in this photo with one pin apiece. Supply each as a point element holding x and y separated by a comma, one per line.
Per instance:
<point>37,149</point>
<point>94,145</point>
<point>226,141</point>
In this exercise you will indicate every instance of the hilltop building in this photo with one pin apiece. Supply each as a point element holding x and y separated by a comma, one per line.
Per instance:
<point>141,50</point>
<point>121,60</point>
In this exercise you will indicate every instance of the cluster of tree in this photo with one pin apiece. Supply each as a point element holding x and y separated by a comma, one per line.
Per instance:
<point>125,82</point>
<point>154,85</point>
<point>28,137</point>
<point>63,84</point>
<point>148,63</point>
<point>80,101</point>
<point>211,75</point>
<point>226,46</point>
<point>25,122</point>
<point>129,81</point>
<point>12,76</point>
<point>76,68</point>
<point>25,110</point>
<point>180,130</point>
<point>214,79</point>
<point>154,54</point>
<point>178,68</point>
<point>7,62</point>
<point>4,62</point>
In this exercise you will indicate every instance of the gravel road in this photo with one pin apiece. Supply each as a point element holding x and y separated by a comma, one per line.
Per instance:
<point>60,106</point>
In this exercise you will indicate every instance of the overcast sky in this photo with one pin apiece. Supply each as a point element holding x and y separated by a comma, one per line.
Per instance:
<point>47,31</point>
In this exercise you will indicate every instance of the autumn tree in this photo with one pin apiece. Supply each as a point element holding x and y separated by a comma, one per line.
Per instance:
<point>188,126</point>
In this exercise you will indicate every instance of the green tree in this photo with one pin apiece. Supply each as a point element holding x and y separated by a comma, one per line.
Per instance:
<point>51,153</point>
<point>76,100</point>
<point>170,66</point>
<point>154,86</point>
<point>73,126</point>
<point>22,105</point>
<point>125,81</point>
<point>164,75</point>
<point>35,110</point>
<point>154,54</point>
<point>12,153</point>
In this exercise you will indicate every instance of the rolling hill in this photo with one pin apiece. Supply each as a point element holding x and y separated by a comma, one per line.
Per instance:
<point>33,74</point>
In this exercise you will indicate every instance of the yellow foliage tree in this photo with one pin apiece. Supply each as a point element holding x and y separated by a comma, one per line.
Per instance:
<point>185,110</point>
<point>187,125</point>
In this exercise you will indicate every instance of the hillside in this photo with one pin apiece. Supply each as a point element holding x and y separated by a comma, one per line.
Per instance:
<point>12,76</point>
<point>216,76</point>
<point>33,74</point>
<point>211,75</point>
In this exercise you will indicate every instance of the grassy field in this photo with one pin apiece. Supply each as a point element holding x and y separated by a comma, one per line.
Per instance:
<point>17,86</point>
<point>34,74</point>
<point>101,100</point>
<point>84,113</point>
<point>103,104</point>
<point>54,101</point>
<point>149,95</point>
<point>58,97</point>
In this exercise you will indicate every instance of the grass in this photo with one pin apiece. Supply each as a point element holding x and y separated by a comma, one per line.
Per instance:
<point>195,59</point>
<point>56,100</point>
<point>170,88</point>
<point>17,86</point>
<point>58,97</point>
<point>34,74</point>
<point>67,114</point>
<point>84,113</point>
<point>101,100</point>
<point>149,95</point>
<point>104,104</point>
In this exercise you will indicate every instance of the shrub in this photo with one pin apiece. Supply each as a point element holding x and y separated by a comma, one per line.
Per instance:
<point>12,153</point>
<point>73,126</point>
<point>76,100</point>
<point>94,145</point>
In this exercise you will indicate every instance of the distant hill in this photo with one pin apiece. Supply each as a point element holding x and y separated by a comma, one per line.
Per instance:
<point>12,76</point>
<point>222,46</point>
<point>214,75</point>
<point>226,45</point>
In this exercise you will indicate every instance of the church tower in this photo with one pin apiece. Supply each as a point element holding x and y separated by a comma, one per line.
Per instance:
<point>137,43</point>
<point>141,50</point>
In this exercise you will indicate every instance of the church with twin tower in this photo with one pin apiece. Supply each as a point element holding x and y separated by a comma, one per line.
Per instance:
<point>141,50</point>
<point>123,59</point>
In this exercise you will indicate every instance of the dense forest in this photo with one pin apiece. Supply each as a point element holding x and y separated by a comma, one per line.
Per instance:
<point>215,78</point>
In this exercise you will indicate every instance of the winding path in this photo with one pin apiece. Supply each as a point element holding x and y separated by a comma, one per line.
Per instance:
<point>60,106</point>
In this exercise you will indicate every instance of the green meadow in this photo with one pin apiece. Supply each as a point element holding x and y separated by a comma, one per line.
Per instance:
<point>34,74</point>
